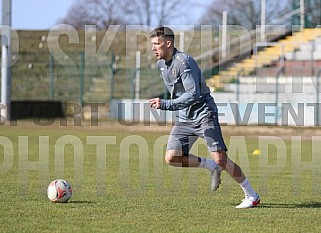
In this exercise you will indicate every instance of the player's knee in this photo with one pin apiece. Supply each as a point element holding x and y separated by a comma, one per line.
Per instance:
<point>221,162</point>
<point>169,157</point>
<point>220,157</point>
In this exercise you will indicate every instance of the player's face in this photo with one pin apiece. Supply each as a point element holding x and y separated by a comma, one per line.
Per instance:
<point>160,48</point>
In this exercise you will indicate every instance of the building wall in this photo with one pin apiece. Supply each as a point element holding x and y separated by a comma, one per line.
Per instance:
<point>296,106</point>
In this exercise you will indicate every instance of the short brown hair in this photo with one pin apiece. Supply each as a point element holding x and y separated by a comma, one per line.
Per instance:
<point>162,32</point>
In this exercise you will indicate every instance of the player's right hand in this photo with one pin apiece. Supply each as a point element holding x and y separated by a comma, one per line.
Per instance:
<point>155,103</point>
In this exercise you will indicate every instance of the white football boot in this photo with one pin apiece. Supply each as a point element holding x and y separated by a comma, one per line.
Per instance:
<point>249,202</point>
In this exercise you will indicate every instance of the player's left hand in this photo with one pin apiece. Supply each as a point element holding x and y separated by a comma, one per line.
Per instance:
<point>155,103</point>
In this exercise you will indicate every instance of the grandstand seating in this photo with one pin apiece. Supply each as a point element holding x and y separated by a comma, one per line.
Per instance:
<point>31,73</point>
<point>267,60</point>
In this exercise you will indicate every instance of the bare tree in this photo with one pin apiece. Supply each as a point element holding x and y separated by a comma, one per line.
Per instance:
<point>106,12</point>
<point>312,12</point>
<point>101,13</point>
<point>140,11</point>
<point>168,10</point>
<point>77,17</point>
<point>315,9</point>
<point>246,13</point>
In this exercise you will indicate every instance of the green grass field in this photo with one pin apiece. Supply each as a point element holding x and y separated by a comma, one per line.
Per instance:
<point>121,183</point>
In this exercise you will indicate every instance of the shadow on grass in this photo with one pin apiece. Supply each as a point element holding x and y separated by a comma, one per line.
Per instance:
<point>291,206</point>
<point>81,202</point>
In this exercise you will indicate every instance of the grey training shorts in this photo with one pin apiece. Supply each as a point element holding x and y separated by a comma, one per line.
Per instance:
<point>184,134</point>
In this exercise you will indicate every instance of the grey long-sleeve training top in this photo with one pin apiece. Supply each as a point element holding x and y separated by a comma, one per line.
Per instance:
<point>190,96</point>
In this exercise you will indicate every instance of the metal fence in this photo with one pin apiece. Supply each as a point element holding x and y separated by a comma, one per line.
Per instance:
<point>73,77</point>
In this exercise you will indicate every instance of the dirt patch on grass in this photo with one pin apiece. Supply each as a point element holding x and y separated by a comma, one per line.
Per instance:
<point>132,127</point>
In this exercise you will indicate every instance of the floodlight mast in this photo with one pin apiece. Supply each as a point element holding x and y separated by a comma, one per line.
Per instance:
<point>6,59</point>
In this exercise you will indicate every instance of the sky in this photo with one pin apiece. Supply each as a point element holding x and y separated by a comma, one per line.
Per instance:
<point>44,14</point>
<point>38,14</point>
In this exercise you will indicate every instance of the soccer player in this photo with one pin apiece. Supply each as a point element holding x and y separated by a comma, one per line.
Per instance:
<point>196,116</point>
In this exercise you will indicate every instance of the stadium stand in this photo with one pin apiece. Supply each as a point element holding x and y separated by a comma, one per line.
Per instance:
<point>36,77</point>
<point>298,53</point>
